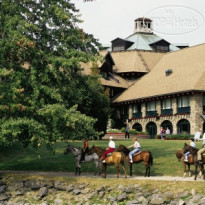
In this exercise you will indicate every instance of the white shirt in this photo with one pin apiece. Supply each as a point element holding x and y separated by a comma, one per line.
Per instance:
<point>111,144</point>
<point>135,145</point>
<point>167,131</point>
<point>192,144</point>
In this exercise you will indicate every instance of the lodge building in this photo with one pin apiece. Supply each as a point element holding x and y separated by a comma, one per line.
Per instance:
<point>154,83</point>
<point>171,95</point>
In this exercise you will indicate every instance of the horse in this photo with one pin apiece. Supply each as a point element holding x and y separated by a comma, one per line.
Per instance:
<point>143,156</point>
<point>180,157</point>
<point>116,158</point>
<point>88,157</point>
<point>193,151</point>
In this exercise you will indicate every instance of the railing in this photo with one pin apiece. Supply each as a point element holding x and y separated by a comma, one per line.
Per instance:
<point>166,111</point>
<point>137,115</point>
<point>151,113</point>
<point>183,110</point>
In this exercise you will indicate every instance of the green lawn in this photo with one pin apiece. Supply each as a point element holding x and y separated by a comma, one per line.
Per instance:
<point>165,161</point>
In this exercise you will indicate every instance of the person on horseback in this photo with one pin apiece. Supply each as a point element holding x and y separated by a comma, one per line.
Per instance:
<point>200,152</point>
<point>84,150</point>
<point>136,147</point>
<point>111,148</point>
<point>192,144</point>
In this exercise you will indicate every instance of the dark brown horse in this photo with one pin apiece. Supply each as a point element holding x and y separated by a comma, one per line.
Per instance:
<point>194,151</point>
<point>116,158</point>
<point>143,156</point>
<point>180,157</point>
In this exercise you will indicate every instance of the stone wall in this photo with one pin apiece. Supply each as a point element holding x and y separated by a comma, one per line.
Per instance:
<point>50,192</point>
<point>194,118</point>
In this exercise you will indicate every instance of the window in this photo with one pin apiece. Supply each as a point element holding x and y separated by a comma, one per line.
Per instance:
<point>166,104</point>
<point>151,106</point>
<point>118,48</point>
<point>183,101</point>
<point>162,48</point>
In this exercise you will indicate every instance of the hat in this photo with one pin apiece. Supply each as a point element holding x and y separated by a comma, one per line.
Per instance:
<point>111,137</point>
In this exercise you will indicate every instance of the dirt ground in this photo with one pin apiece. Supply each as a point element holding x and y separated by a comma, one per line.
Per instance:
<point>90,175</point>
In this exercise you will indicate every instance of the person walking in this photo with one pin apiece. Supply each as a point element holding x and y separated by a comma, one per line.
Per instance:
<point>111,148</point>
<point>136,147</point>
<point>127,131</point>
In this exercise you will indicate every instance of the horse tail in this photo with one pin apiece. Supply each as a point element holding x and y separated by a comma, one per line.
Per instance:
<point>150,158</point>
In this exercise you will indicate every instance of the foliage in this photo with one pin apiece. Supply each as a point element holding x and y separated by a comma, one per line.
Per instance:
<point>122,129</point>
<point>179,136</point>
<point>41,47</point>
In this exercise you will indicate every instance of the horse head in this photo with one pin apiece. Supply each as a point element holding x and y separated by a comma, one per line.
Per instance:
<point>67,149</point>
<point>91,150</point>
<point>179,155</point>
<point>123,149</point>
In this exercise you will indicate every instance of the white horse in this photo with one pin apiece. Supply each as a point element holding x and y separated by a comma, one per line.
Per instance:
<point>77,155</point>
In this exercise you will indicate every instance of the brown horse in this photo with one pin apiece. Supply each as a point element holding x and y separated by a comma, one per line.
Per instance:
<point>143,156</point>
<point>116,158</point>
<point>190,162</point>
<point>194,151</point>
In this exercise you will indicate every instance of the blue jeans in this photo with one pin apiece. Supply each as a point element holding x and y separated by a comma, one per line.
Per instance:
<point>186,155</point>
<point>133,151</point>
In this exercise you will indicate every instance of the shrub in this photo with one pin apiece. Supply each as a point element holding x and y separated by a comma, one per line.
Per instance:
<point>122,129</point>
<point>179,137</point>
<point>114,131</point>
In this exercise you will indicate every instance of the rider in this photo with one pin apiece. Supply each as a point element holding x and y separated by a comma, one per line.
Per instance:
<point>136,147</point>
<point>84,150</point>
<point>200,152</point>
<point>192,144</point>
<point>111,148</point>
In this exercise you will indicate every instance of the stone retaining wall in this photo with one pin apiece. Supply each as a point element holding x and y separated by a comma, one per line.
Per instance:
<point>50,192</point>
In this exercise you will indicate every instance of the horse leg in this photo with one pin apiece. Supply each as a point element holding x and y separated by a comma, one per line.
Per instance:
<point>189,170</point>
<point>196,167</point>
<point>76,170</point>
<point>149,171</point>
<point>118,170</point>
<point>123,167</point>
<point>130,165</point>
<point>184,165</point>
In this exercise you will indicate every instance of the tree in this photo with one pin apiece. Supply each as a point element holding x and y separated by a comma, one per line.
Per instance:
<point>41,48</point>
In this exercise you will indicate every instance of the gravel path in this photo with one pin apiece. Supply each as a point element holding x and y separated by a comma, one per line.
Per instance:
<point>69,174</point>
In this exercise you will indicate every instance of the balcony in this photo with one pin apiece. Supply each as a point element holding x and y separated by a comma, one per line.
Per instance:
<point>167,112</point>
<point>181,110</point>
<point>151,113</point>
<point>137,115</point>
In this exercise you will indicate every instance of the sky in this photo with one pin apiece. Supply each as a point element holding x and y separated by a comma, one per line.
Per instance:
<point>177,21</point>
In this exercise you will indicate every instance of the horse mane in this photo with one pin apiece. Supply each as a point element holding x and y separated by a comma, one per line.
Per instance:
<point>125,149</point>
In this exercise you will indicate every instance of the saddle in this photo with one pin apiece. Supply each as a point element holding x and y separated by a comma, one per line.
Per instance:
<point>136,153</point>
<point>109,154</point>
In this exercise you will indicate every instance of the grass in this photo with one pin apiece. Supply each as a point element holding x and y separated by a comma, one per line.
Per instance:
<point>165,161</point>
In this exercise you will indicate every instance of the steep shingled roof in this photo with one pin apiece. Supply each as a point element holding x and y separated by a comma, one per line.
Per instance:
<point>135,61</point>
<point>188,66</point>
